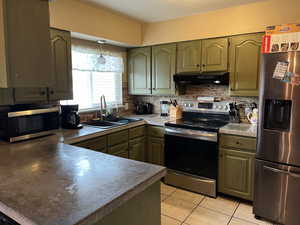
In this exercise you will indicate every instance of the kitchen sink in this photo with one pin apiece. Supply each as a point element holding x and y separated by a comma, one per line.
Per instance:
<point>106,124</point>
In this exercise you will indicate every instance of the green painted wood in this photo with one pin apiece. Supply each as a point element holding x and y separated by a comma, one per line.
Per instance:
<point>97,144</point>
<point>189,56</point>
<point>6,96</point>
<point>156,150</point>
<point>156,131</point>
<point>137,132</point>
<point>243,143</point>
<point>119,150</point>
<point>142,209</point>
<point>236,173</point>
<point>245,64</point>
<point>30,95</point>
<point>137,149</point>
<point>215,54</point>
<point>139,71</point>
<point>62,89</point>
<point>28,43</point>
<point>163,69</point>
<point>117,138</point>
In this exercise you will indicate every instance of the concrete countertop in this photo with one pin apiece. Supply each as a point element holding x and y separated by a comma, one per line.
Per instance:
<point>152,119</point>
<point>47,182</point>
<point>241,129</point>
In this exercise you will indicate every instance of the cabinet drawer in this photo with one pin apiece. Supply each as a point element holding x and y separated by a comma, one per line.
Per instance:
<point>118,148</point>
<point>122,154</point>
<point>117,138</point>
<point>137,132</point>
<point>97,144</point>
<point>238,142</point>
<point>156,131</point>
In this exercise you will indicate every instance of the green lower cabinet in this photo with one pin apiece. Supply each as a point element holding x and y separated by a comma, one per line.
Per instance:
<point>236,173</point>
<point>97,144</point>
<point>137,149</point>
<point>156,150</point>
<point>120,150</point>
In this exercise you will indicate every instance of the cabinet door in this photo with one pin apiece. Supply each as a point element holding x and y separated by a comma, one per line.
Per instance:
<point>244,64</point>
<point>215,54</point>
<point>236,173</point>
<point>163,69</point>
<point>62,89</point>
<point>156,150</point>
<point>6,96</point>
<point>189,56</point>
<point>28,43</point>
<point>30,95</point>
<point>137,149</point>
<point>119,150</point>
<point>139,71</point>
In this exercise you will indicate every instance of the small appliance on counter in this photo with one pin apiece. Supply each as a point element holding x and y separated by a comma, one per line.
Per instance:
<point>142,108</point>
<point>164,108</point>
<point>70,118</point>
<point>22,122</point>
<point>234,116</point>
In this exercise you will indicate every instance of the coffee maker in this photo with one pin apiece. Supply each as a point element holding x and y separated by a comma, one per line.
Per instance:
<point>70,118</point>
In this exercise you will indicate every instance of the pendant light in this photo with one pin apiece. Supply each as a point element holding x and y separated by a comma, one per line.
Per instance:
<point>101,59</point>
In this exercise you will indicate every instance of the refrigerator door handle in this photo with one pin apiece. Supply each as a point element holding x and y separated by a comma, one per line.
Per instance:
<point>276,170</point>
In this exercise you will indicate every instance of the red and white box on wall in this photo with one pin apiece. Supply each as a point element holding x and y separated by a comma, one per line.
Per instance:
<point>281,38</point>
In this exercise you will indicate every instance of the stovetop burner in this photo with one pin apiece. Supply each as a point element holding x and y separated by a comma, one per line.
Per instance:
<point>200,121</point>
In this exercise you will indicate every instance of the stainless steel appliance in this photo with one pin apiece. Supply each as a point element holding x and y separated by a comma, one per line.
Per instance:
<point>19,123</point>
<point>5,220</point>
<point>164,108</point>
<point>191,147</point>
<point>277,166</point>
<point>70,118</point>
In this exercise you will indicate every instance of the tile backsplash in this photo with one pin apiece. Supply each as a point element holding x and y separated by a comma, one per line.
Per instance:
<point>193,91</point>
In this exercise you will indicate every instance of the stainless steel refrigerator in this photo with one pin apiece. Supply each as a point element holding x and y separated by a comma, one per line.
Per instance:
<point>277,165</point>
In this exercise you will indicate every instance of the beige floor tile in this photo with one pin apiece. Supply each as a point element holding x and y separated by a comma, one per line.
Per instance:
<point>244,211</point>
<point>203,216</point>
<point>188,196</point>
<point>165,220</point>
<point>176,208</point>
<point>163,197</point>
<point>236,221</point>
<point>166,189</point>
<point>220,204</point>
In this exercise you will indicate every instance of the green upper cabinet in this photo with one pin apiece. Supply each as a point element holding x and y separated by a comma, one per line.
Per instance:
<point>25,53</point>
<point>189,56</point>
<point>30,95</point>
<point>163,69</point>
<point>215,54</point>
<point>139,70</point>
<point>244,64</point>
<point>62,89</point>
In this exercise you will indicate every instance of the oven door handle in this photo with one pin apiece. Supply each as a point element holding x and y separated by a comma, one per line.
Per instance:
<point>199,135</point>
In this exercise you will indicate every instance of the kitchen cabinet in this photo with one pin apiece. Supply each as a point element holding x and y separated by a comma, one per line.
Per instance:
<point>30,95</point>
<point>163,69</point>
<point>120,150</point>
<point>156,144</point>
<point>25,53</point>
<point>139,71</point>
<point>244,64</point>
<point>97,144</point>
<point>62,89</point>
<point>189,56</point>
<point>137,149</point>
<point>6,96</point>
<point>215,54</point>
<point>236,166</point>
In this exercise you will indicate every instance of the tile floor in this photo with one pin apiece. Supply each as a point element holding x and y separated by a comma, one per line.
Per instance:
<point>179,207</point>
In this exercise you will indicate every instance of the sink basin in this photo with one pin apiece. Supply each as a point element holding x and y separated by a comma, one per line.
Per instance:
<point>102,124</point>
<point>124,120</point>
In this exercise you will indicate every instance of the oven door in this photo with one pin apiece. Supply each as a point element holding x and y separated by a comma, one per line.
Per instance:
<point>192,152</point>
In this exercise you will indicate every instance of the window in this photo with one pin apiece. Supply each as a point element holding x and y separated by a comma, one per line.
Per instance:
<point>91,79</point>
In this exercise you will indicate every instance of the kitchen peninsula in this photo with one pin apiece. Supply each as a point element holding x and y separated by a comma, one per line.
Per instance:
<point>47,182</point>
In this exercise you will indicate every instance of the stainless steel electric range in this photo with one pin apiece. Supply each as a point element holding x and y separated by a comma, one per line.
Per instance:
<point>191,147</point>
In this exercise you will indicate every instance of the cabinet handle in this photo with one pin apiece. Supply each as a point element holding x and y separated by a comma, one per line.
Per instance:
<point>43,93</point>
<point>237,143</point>
<point>52,92</point>
<point>203,65</point>
<point>198,65</point>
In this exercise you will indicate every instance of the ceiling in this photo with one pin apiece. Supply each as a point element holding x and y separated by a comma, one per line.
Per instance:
<point>159,10</point>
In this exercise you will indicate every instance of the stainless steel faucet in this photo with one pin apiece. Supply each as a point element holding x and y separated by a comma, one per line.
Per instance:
<point>103,107</point>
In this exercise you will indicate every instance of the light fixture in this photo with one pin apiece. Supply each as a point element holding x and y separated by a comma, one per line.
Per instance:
<point>101,59</point>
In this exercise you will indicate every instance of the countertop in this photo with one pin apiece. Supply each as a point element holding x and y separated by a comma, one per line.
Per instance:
<point>241,129</point>
<point>152,119</point>
<point>47,182</point>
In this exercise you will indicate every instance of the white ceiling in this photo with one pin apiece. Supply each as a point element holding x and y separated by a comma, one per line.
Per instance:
<point>159,10</point>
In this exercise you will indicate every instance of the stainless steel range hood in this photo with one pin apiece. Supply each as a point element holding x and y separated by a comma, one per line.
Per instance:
<point>221,78</point>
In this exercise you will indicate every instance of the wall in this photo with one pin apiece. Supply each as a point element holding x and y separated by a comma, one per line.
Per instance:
<point>84,18</point>
<point>193,91</point>
<point>248,18</point>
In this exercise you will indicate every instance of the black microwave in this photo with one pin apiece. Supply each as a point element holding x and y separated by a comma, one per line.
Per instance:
<point>19,125</point>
